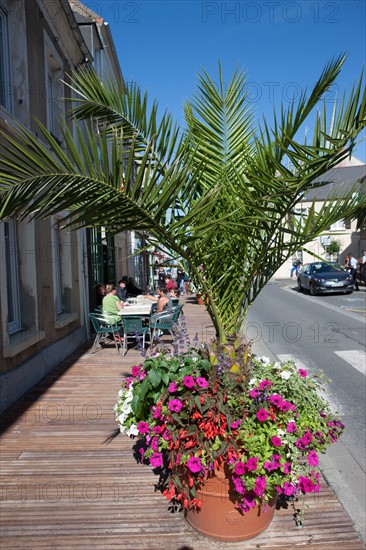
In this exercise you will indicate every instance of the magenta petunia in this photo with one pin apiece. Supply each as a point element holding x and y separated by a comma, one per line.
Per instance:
<point>305,484</point>
<point>285,406</point>
<point>239,468</point>
<point>156,460</point>
<point>291,427</point>
<point>188,381</point>
<point>154,444</point>
<point>136,370</point>
<point>260,485</point>
<point>303,373</point>
<point>254,393</point>
<point>265,384</point>
<point>201,382</point>
<point>143,427</point>
<point>252,464</point>
<point>238,484</point>
<point>307,437</point>
<point>262,415</point>
<point>175,405</point>
<point>194,464</point>
<point>287,467</point>
<point>288,488</point>
<point>234,425</point>
<point>313,459</point>
<point>172,387</point>
<point>276,441</point>
<point>276,400</point>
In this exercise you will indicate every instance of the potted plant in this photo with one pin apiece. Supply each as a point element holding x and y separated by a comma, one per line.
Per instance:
<point>233,435</point>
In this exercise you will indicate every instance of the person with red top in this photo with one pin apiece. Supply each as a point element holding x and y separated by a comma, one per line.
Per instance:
<point>169,283</point>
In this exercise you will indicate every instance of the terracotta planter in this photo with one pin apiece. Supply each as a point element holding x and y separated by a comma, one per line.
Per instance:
<point>200,300</point>
<point>219,517</point>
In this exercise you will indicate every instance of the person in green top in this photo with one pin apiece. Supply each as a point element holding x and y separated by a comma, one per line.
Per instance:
<point>112,305</point>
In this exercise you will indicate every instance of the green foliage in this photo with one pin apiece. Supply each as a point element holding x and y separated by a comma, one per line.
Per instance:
<point>220,193</point>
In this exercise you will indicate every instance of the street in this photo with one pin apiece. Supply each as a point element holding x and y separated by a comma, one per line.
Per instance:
<point>327,333</point>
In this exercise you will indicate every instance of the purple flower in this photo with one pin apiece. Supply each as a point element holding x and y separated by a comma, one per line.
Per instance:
<point>254,393</point>
<point>154,444</point>
<point>157,412</point>
<point>172,387</point>
<point>248,501</point>
<point>291,427</point>
<point>313,459</point>
<point>303,373</point>
<point>269,466</point>
<point>288,488</point>
<point>143,427</point>
<point>287,467</point>
<point>276,441</point>
<point>265,384</point>
<point>136,370</point>
<point>260,485</point>
<point>156,460</point>
<point>276,400</point>
<point>175,405</point>
<point>238,484</point>
<point>262,415</point>
<point>201,382</point>
<point>305,484</point>
<point>234,425</point>
<point>188,381</point>
<point>239,468</point>
<point>194,464</point>
<point>286,406</point>
<point>307,437</point>
<point>251,464</point>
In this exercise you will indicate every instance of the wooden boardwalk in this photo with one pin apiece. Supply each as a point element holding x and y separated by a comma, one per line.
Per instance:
<point>66,484</point>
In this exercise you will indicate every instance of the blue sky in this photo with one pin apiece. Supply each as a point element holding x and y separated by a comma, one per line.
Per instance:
<point>282,45</point>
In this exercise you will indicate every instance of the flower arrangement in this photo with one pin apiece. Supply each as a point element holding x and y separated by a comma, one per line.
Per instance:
<point>264,422</point>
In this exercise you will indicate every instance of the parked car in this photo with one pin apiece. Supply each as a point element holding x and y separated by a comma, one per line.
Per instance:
<point>322,278</point>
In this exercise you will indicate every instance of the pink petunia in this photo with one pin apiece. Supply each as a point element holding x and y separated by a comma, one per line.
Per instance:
<point>201,382</point>
<point>238,484</point>
<point>143,427</point>
<point>313,459</point>
<point>260,485</point>
<point>136,370</point>
<point>288,488</point>
<point>194,464</point>
<point>156,460</point>
<point>175,405</point>
<point>234,425</point>
<point>252,464</point>
<point>276,400</point>
<point>276,441</point>
<point>154,444</point>
<point>172,387</point>
<point>305,484</point>
<point>239,468</point>
<point>188,381</point>
<point>291,427</point>
<point>265,384</point>
<point>254,393</point>
<point>262,415</point>
<point>287,467</point>
<point>303,373</point>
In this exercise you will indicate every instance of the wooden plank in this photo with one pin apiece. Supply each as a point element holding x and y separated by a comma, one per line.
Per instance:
<point>65,484</point>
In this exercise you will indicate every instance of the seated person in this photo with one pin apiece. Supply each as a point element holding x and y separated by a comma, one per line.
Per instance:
<point>169,283</point>
<point>132,290</point>
<point>174,293</point>
<point>165,303</point>
<point>121,290</point>
<point>112,305</point>
<point>100,293</point>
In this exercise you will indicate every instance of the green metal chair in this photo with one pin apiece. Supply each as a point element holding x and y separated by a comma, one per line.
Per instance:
<point>175,301</point>
<point>161,322</point>
<point>103,329</point>
<point>133,327</point>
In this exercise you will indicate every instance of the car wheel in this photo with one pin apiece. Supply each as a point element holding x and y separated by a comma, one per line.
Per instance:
<point>299,286</point>
<point>312,290</point>
<point>348,291</point>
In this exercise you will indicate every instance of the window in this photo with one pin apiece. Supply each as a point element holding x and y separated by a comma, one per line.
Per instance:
<point>57,270</point>
<point>54,88</point>
<point>337,226</point>
<point>12,275</point>
<point>5,97</point>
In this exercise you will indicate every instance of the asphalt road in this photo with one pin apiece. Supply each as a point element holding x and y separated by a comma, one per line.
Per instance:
<point>327,333</point>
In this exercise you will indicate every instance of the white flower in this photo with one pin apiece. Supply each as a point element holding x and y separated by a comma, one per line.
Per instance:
<point>265,360</point>
<point>132,430</point>
<point>281,433</point>
<point>252,382</point>
<point>285,375</point>
<point>120,393</point>
<point>276,365</point>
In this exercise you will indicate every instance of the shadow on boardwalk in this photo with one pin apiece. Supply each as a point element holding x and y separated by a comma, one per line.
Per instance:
<point>66,484</point>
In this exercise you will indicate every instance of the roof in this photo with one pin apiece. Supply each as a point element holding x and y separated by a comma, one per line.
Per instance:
<point>340,181</point>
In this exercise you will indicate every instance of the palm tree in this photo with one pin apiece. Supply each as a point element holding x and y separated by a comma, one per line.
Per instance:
<point>220,193</point>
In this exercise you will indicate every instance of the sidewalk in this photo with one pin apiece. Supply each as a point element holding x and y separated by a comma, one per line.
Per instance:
<point>66,484</point>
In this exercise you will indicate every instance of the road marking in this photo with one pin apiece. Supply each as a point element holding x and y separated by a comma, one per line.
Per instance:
<point>355,357</point>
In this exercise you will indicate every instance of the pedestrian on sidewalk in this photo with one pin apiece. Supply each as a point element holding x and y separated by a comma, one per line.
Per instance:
<point>353,266</point>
